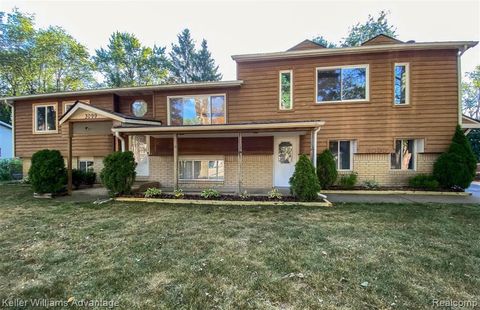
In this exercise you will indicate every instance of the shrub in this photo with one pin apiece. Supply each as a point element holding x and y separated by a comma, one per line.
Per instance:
<point>348,181</point>
<point>244,195</point>
<point>47,173</point>
<point>456,167</point>
<point>424,181</point>
<point>78,178</point>
<point>10,169</point>
<point>274,194</point>
<point>304,182</point>
<point>178,193</point>
<point>118,173</point>
<point>326,169</point>
<point>90,178</point>
<point>210,193</point>
<point>371,184</point>
<point>153,192</point>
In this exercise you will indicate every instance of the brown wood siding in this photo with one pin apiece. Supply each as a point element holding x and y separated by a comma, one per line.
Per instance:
<point>432,113</point>
<point>211,146</point>
<point>27,143</point>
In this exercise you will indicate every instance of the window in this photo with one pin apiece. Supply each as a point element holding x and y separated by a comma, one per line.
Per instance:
<point>285,152</point>
<point>202,170</point>
<point>139,108</point>
<point>286,94</point>
<point>85,165</point>
<point>404,156</point>
<point>348,83</point>
<point>45,118</point>
<point>401,84</point>
<point>68,104</point>
<point>197,110</point>
<point>342,152</point>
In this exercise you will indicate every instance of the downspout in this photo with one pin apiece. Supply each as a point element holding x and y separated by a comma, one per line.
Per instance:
<point>459,82</point>
<point>13,126</point>
<point>122,140</point>
<point>314,142</point>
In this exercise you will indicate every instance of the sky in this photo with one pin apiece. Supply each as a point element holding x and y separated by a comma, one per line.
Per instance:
<point>233,27</point>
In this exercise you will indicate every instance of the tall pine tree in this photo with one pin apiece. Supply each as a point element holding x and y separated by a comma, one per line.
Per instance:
<point>206,70</point>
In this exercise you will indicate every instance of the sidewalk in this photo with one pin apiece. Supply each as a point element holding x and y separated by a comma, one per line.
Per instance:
<point>403,198</point>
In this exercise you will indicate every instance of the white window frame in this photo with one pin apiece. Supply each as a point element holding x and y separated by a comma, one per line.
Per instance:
<point>367,83</point>
<point>72,102</point>
<point>280,89</point>
<point>46,104</point>
<point>183,96</point>
<point>407,86</point>
<point>351,150</point>
<point>414,152</point>
<point>86,160</point>
<point>201,158</point>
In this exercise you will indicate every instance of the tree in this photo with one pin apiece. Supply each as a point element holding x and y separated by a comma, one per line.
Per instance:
<point>323,41</point>
<point>5,114</point>
<point>206,70</point>
<point>326,169</point>
<point>474,139</point>
<point>457,166</point>
<point>189,65</point>
<point>374,26</point>
<point>471,93</point>
<point>304,182</point>
<point>125,62</point>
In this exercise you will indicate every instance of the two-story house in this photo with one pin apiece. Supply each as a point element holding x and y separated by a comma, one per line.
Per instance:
<point>386,109</point>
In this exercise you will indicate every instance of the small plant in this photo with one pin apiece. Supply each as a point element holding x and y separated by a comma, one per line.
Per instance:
<point>424,181</point>
<point>304,182</point>
<point>47,173</point>
<point>178,193</point>
<point>78,178</point>
<point>371,184</point>
<point>153,192</point>
<point>90,178</point>
<point>244,195</point>
<point>274,194</point>
<point>326,169</point>
<point>210,193</point>
<point>348,181</point>
<point>118,173</point>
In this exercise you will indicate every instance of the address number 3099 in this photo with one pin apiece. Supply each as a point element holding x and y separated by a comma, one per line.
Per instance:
<point>90,115</point>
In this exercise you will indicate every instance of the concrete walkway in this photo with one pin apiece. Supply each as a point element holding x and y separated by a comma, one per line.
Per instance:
<point>474,189</point>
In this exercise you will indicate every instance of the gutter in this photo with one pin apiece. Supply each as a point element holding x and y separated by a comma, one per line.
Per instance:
<point>314,146</point>
<point>122,140</point>
<point>13,125</point>
<point>459,82</point>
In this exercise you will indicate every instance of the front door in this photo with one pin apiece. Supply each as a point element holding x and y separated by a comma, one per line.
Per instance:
<point>285,157</point>
<point>139,147</point>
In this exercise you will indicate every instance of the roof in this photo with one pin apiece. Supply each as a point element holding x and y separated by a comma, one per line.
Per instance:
<point>381,39</point>
<point>378,48</point>
<point>5,125</point>
<point>126,90</point>
<point>306,45</point>
<point>469,122</point>
<point>126,119</point>
<point>250,126</point>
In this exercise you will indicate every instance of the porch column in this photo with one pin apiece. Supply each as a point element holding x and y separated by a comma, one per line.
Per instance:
<point>175,161</point>
<point>239,163</point>
<point>69,161</point>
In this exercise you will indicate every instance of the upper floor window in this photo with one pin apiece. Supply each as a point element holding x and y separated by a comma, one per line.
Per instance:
<point>286,94</point>
<point>197,110</point>
<point>68,104</point>
<point>45,118</point>
<point>342,84</point>
<point>401,83</point>
<point>139,108</point>
<point>343,153</point>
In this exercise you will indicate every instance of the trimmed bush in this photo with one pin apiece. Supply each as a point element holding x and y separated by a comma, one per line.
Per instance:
<point>348,181</point>
<point>90,178</point>
<point>326,169</point>
<point>304,182</point>
<point>47,173</point>
<point>424,181</point>
<point>456,168</point>
<point>118,173</point>
<point>78,178</point>
<point>10,169</point>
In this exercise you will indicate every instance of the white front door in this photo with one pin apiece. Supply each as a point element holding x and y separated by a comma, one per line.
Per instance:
<point>285,157</point>
<point>139,146</point>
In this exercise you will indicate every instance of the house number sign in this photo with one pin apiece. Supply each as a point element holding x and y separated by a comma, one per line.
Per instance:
<point>90,115</point>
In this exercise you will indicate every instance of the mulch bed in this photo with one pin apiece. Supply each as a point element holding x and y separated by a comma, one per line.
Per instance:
<point>221,198</point>
<point>401,188</point>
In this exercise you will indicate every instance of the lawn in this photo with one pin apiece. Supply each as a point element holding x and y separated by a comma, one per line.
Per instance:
<point>163,256</point>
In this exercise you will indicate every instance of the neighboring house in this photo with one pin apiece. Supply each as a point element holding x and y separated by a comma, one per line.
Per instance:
<point>386,110</point>
<point>6,142</point>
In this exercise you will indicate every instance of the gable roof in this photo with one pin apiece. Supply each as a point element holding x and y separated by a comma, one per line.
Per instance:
<point>470,122</point>
<point>125,119</point>
<point>381,39</point>
<point>378,48</point>
<point>306,45</point>
<point>5,125</point>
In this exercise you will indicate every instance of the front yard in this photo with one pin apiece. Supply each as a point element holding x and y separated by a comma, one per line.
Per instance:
<point>352,256</point>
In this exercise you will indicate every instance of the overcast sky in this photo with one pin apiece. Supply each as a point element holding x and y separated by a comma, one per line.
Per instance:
<point>253,26</point>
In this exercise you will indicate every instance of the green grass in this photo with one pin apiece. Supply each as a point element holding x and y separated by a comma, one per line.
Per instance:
<point>164,256</point>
